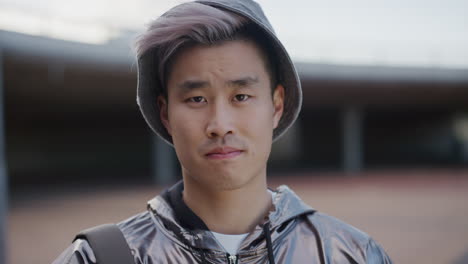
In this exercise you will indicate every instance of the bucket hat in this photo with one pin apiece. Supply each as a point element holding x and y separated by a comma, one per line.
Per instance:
<point>148,90</point>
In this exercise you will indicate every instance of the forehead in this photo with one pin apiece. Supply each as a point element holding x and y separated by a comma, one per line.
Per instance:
<point>227,60</point>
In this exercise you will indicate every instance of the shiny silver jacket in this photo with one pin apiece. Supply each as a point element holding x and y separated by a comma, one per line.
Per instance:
<point>292,233</point>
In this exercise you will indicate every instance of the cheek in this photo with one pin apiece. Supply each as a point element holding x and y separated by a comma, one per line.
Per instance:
<point>260,119</point>
<point>185,126</point>
<point>258,126</point>
<point>185,135</point>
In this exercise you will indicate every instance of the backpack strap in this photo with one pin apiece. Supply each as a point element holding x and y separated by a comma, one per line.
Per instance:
<point>108,244</point>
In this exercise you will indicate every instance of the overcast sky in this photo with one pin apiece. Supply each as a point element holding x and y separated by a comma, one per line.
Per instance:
<point>392,32</point>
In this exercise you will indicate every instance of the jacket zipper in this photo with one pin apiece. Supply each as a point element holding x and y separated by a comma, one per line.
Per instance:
<point>232,259</point>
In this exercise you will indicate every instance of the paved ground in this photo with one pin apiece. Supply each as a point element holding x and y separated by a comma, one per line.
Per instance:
<point>418,216</point>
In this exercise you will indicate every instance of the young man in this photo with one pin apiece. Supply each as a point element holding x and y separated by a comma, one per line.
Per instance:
<point>216,83</point>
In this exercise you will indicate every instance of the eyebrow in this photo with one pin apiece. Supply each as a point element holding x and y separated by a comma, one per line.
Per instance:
<point>191,85</point>
<point>243,82</point>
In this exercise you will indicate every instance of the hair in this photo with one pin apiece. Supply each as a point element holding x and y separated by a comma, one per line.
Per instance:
<point>191,24</point>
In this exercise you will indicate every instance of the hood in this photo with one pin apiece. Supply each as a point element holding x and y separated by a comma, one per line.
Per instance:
<point>287,206</point>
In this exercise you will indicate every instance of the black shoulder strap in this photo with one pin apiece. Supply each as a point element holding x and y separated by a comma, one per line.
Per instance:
<point>108,244</point>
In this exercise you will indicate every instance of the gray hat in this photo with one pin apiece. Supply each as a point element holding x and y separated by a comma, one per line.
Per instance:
<point>148,90</point>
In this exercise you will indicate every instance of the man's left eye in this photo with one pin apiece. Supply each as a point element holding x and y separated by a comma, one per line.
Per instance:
<point>241,97</point>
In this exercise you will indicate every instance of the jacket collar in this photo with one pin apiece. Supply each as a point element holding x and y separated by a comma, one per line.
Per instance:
<point>172,209</point>
<point>185,216</point>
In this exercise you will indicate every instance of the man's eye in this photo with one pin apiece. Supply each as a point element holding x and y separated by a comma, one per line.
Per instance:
<point>197,99</point>
<point>241,97</point>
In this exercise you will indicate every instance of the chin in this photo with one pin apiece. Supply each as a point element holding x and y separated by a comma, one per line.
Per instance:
<point>225,181</point>
<point>230,185</point>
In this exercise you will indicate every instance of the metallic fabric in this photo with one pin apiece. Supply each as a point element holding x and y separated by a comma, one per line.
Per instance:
<point>299,234</point>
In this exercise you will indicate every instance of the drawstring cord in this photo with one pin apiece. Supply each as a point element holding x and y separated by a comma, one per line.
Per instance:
<point>266,230</point>
<point>203,257</point>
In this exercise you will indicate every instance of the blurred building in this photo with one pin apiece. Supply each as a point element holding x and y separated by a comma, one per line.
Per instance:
<point>71,115</point>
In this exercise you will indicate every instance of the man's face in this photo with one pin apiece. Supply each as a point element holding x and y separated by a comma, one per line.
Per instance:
<point>221,114</point>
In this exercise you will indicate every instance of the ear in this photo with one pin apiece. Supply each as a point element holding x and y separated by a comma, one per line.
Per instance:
<point>163,113</point>
<point>278,104</point>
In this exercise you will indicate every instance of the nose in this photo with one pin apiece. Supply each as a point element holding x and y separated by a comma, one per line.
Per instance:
<point>219,121</point>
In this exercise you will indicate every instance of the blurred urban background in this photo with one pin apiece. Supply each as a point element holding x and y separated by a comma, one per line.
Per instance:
<point>382,140</point>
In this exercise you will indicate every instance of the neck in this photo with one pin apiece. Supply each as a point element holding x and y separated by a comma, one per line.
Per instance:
<point>235,211</point>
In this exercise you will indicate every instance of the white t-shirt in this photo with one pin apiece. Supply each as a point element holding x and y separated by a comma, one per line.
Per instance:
<point>231,243</point>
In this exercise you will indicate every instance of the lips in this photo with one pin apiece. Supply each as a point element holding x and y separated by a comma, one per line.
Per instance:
<point>223,153</point>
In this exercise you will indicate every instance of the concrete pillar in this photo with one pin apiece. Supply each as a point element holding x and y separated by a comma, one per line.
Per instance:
<point>3,173</point>
<point>460,126</point>
<point>288,148</point>
<point>352,139</point>
<point>56,73</point>
<point>164,162</point>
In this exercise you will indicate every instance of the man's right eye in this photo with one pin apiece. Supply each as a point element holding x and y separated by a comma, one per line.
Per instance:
<point>197,99</point>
